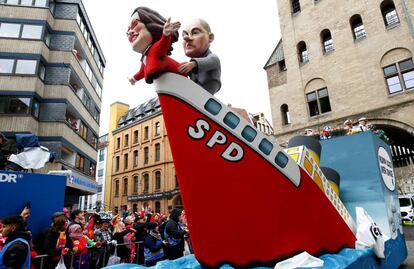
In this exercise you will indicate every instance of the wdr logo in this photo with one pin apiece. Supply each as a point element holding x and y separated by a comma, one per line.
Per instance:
<point>8,178</point>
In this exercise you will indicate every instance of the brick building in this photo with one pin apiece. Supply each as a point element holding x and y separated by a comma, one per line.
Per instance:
<point>51,76</point>
<point>140,168</point>
<point>341,60</point>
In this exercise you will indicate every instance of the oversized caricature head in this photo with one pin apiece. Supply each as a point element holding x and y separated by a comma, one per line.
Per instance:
<point>197,37</point>
<point>145,27</point>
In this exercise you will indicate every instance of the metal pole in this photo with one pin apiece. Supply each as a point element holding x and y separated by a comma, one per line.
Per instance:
<point>41,263</point>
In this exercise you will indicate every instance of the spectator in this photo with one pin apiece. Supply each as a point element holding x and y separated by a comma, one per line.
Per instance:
<point>118,235</point>
<point>16,251</point>
<point>139,228</point>
<point>55,240</point>
<point>363,124</point>
<point>174,234</point>
<point>153,244</point>
<point>104,236</point>
<point>309,132</point>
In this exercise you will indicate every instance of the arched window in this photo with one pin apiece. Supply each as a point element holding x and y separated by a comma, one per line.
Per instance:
<point>136,184</point>
<point>125,192</point>
<point>157,128</point>
<point>116,187</point>
<point>295,6</point>
<point>157,152</point>
<point>357,27</point>
<point>157,181</point>
<point>389,13</point>
<point>284,109</point>
<point>302,52</point>
<point>327,42</point>
<point>318,102</point>
<point>146,183</point>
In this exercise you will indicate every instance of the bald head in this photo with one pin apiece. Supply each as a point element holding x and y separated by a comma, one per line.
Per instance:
<point>197,37</point>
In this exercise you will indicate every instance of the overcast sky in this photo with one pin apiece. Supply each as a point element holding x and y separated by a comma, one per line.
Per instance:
<point>246,32</point>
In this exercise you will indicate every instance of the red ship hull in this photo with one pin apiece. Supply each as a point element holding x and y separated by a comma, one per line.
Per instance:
<point>245,213</point>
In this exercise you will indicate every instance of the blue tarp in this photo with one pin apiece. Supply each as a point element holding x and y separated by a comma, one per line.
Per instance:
<point>26,141</point>
<point>395,254</point>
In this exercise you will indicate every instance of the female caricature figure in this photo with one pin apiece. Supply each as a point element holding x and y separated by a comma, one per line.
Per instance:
<point>151,35</point>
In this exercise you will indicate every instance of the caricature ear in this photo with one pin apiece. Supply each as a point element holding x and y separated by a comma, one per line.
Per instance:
<point>211,37</point>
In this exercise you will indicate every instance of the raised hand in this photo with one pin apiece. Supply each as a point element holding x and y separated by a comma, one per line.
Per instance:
<point>170,27</point>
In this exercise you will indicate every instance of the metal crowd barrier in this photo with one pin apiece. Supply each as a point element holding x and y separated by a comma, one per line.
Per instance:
<point>106,254</point>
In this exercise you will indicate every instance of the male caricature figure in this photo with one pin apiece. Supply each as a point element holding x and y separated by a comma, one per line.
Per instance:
<point>204,66</point>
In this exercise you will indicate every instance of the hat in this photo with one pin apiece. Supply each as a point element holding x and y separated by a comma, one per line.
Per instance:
<point>57,214</point>
<point>362,119</point>
<point>347,122</point>
<point>65,210</point>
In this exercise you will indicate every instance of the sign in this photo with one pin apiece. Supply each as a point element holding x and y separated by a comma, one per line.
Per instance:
<point>82,184</point>
<point>45,192</point>
<point>153,196</point>
<point>386,168</point>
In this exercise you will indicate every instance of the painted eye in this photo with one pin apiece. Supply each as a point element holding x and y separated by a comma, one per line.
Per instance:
<point>196,32</point>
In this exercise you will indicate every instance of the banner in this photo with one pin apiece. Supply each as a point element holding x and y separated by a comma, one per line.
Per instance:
<point>45,192</point>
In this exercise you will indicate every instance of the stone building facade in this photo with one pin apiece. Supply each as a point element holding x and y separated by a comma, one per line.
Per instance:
<point>51,77</point>
<point>341,60</point>
<point>140,169</point>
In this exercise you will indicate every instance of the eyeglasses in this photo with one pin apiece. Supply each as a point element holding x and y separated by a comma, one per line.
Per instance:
<point>132,26</point>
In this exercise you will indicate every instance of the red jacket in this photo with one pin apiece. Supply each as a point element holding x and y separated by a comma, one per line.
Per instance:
<point>157,61</point>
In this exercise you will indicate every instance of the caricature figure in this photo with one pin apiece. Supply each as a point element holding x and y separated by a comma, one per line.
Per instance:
<point>151,35</point>
<point>204,66</point>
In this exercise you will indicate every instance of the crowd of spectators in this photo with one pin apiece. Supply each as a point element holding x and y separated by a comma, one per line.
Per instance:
<point>91,240</point>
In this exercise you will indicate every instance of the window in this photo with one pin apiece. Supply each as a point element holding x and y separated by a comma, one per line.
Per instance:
<point>92,169</point>
<point>40,3</point>
<point>389,13</point>
<point>357,26</point>
<point>15,105</point>
<point>126,161</point>
<point>42,71</point>
<point>327,41</point>
<point>157,181</point>
<point>80,162</point>
<point>395,73</point>
<point>212,106</point>
<point>36,108</point>
<point>302,52</point>
<point>116,163</point>
<point>32,31</point>
<point>17,30</point>
<point>95,114</point>
<point>26,67</point>
<point>118,143</point>
<point>136,184</point>
<point>83,131</point>
<point>135,137</point>
<point>282,65</point>
<point>6,66</point>
<point>249,133</point>
<point>281,159</point>
<point>146,151</point>
<point>126,140</point>
<point>295,6</point>
<point>157,152</point>
<point>146,183</point>
<point>318,102</point>
<point>135,158</point>
<point>157,128</point>
<point>10,30</point>
<point>146,132</point>
<point>266,146</point>
<point>100,172</point>
<point>231,120</point>
<point>284,110</point>
<point>26,2</point>
<point>125,186</point>
<point>116,187</point>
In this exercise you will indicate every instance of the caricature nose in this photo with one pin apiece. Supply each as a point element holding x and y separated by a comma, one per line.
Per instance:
<point>187,38</point>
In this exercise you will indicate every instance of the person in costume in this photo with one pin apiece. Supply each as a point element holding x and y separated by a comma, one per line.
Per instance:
<point>80,243</point>
<point>55,241</point>
<point>153,244</point>
<point>151,35</point>
<point>204,66</point>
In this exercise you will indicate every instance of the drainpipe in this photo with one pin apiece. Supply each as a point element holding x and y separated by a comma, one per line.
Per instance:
<point>408,17</point>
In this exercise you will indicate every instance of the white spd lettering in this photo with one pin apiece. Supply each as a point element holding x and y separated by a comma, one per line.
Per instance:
<point>233,152</point>
<point>8,178</point>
